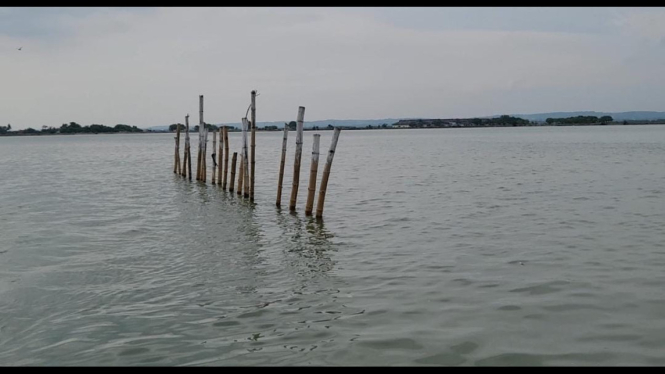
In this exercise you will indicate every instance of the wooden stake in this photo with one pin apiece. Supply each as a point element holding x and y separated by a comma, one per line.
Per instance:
<point>314,166</point>
<point>201,143</point>
<point>176,166</point>
<point>183,169</point>
<point>188,150</point>
<point>226,156</point>
<point>219,157</point>
<point>198,160</point>
<point>185,158</point>
<point>326,174</point>
<point>198,157</point>
<point>233,170</point>
<point>204,168</point>
<point>245,158</point>
<point>296,163</point>
<point>214,146</point>
<point>241,176</point>
<point>281,166</point>
<point>253,122</point>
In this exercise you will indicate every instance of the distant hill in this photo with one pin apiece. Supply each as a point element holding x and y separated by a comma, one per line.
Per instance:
<point>617,116</point>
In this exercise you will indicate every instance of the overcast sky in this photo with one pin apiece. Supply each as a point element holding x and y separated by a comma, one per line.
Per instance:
<point>147,66</point>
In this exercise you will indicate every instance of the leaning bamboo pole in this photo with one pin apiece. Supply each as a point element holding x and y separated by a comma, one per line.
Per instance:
<point>296,163</point>
<point>326,174</point>
<point>176,166</point>
<point>253,145</point>
<point>214,167</point>
<point>226,156</point>
<point>219,156</point>
<point>245,158</point>
<point>281,166</point>
<point>233,170</point>
<point>314,166</point>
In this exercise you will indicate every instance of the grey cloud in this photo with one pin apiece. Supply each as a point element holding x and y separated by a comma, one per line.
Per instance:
<point>147,68</point>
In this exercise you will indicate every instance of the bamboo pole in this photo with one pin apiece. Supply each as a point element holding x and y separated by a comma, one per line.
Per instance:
<point>198,159</point>
<point>179,164</point>
<point>241,172</point>
<point>176,166</point>
<point>201,137</point>
<point>214,167</point>
<point>281,166</point>
<point>233,170</point>
<point>314,166</point>
<point>219,156</point>
<point>253,145</point>
<point>326,174</point>
<point>204,167</point>
<point>198,156</point>
<point>226,157</point>
<point>185,158</point>
<point>188,150</point>
<point>245,158</point>
<point>296,163</point>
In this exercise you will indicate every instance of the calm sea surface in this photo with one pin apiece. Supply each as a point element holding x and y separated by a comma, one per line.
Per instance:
<point>495,246</point>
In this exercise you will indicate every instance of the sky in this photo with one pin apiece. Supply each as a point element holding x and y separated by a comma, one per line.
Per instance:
<point>147,66</point>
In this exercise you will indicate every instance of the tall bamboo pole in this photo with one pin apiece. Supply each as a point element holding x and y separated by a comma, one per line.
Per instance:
<point>185,158</point>
<point>326,174</point>
<point>296,163</point>
<point>220,156</point>
<point>198,157</point>
<point>176,166</point>
<point>202,134</point>
<point>245,158</point>
<point>188,149</point>
<point>214,146</point>
<point>226,156</point>
<point>233,170</point>
<point>281,166</point>
<point>314,166</point>
<point>204,169</point>
<point>253,123</point>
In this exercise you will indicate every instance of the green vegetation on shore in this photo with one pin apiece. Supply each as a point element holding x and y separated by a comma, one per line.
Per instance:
<point>500,121</point>
<point>174,127</point>
<point>580,120</point>
<point>75,128</point>
<point>72,128</point>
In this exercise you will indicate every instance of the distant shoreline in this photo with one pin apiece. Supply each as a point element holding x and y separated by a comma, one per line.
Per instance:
<point>16,133</point>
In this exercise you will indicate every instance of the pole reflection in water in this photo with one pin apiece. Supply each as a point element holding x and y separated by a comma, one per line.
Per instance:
<point>252,281</point>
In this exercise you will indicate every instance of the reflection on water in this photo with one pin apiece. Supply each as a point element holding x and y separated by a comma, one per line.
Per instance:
<point>308,246</point>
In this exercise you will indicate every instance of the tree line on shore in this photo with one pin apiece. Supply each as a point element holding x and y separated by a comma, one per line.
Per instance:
<point>579,120</point>
<point>74,128</point>
<point>208,126</point>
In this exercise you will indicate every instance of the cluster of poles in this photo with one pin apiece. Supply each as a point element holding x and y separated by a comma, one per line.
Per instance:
<point>245,184</point>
